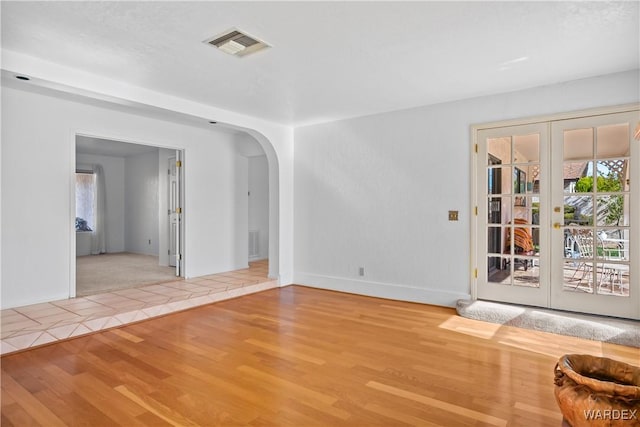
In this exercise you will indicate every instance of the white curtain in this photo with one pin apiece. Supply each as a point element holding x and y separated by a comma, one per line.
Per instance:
<point>98,239</point>
<point>85,196</point>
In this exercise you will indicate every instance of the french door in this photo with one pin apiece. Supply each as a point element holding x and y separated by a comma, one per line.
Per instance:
<point>596,216</point>
<point>558,214</point>
<point>513,181</point>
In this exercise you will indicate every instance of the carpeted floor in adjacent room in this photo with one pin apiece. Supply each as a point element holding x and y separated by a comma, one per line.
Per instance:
<point>108,272</point>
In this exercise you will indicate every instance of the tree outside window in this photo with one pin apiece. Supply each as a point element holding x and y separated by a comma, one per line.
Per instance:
<point>613,204</point>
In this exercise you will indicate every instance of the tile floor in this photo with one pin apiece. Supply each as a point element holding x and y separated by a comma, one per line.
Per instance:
<point>38,324</point>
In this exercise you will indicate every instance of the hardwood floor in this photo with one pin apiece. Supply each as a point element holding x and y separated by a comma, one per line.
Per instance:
<point>295,356</point>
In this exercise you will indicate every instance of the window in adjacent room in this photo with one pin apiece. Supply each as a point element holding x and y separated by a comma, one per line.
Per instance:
<point>85,201</point>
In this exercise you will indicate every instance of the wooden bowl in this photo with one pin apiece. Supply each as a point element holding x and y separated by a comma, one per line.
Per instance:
<point>597,391</point>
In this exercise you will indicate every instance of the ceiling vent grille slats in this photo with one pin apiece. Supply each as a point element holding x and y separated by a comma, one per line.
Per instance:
<point>237,43</point>
<point>225,38</point>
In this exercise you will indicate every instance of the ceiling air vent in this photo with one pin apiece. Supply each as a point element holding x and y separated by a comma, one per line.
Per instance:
<point>237,43</point>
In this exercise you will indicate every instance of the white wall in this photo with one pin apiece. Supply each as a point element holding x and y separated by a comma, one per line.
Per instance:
<point>241,214</point>
<point>259,202</point>
<point>114,210</point>
<point>374,192</point>
<point>46,126</point>
<point>141,204</point>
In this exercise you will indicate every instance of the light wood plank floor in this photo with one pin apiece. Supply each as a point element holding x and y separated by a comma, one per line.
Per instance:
<point>295,356</point>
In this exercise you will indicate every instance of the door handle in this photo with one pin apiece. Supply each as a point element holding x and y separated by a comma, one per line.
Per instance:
<point>557,225</point>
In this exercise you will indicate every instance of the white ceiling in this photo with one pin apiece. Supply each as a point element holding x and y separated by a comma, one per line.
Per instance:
<point>330,60</point>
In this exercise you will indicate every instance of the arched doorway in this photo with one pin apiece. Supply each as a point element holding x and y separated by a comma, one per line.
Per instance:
<point>274,201</point>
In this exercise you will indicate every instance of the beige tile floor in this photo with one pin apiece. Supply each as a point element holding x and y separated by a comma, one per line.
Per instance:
<point>34,325</point>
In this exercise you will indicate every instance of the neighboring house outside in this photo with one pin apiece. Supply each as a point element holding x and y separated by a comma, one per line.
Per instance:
<point>572,173</point>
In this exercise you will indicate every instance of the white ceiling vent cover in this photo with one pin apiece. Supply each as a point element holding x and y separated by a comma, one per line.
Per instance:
<point>236,43</point>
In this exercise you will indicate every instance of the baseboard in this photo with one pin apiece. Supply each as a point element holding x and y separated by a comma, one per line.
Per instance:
<point>380,290</point>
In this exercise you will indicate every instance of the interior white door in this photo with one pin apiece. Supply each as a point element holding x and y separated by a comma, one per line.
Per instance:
<point>512,191</point>
<point>179,214</point>
<point>173,215</point>
<point>596,216</point>
<point>175,212</point>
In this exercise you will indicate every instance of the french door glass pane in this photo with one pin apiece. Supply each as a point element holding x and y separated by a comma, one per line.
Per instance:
<point>578,276</point>
<point>613,140</point>
<point>499,180</point>
<point>527,273</point>
<point>578,210</point>
<point>579,249</point>
<point>612,175</point>
<point>578,144</point>
<point>613,210</point>
<point>614,243</point>
<point>526,148</point>
<point>494,238</point>
<point>494,210</point>
<point>613,279</point>
<point>499,270</point>
<point>499,148</point>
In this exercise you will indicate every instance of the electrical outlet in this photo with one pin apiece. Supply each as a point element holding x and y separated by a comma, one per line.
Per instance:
<point>453,215</point>
<point>149,241</point>
<point>361,271</point>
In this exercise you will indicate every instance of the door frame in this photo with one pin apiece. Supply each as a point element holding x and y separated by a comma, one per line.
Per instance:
<point>72,199</point>
<point>474,130</point>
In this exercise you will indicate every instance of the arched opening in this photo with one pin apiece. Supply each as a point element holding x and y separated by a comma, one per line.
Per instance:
<point>273,200</point>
